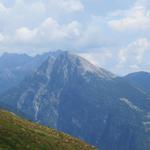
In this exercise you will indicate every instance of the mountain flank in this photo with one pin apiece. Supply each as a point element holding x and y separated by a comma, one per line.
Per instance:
<point>68,93</point>
<point>20,134</point>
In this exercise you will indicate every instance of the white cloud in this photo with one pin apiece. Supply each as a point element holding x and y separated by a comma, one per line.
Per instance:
<point>70,5</point>
<point>25,34</point>
<point>49,31</point>
<point>32,13</point>
<point>135,68</point>
<point>3,9</point>
<point>63,7</point>
<point>3,13</point>
<point>41,25</point>
<point>122,56</point>
<point>99,57</point>
<point>132,57</point>
<point>91,35</point>
<point>1,37</point>
<point>136,18</point>
<point>135,50</point>
<point>73,29</point>
<point>37,21</point>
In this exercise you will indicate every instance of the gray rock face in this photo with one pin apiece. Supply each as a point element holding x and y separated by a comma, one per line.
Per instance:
<point>70,94</point>
<point>15,67</point>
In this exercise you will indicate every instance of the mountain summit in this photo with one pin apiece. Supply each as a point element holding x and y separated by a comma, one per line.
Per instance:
<point>69,63</point>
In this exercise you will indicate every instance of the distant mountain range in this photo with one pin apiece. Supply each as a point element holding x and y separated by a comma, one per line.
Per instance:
<point>15,67</point>
<point>66,92</point>
<point>140,80</point>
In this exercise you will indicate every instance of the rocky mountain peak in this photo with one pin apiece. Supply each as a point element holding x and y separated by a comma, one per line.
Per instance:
<point>70,62</point>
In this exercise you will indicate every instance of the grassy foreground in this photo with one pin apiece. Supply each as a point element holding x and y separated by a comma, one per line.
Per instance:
<point>19,134</point>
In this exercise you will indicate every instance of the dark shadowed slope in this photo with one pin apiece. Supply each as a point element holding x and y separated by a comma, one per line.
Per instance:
<point>140,80</point>
<point>19,134</point>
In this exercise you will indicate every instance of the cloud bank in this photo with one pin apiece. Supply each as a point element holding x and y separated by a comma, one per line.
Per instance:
<point>114,36</point>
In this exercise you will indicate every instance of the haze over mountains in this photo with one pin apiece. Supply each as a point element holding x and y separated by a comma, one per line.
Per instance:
<point>15,67</point>
<point>65,91</point>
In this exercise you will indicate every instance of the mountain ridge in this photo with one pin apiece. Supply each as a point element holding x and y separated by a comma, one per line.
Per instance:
<point>140,80</point>
<point>74,96</point>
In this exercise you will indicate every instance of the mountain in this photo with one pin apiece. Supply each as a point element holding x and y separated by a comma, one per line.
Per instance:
<point>10,73</point>
<point>17,134</point>
<point>140,80</point>
<point>15,67</point>
<point>72,95</point>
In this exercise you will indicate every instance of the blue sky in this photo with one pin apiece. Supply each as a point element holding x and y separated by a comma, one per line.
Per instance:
<point>112,34</point>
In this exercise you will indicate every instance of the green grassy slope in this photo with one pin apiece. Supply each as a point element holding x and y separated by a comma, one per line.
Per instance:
<point>19,134</point>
